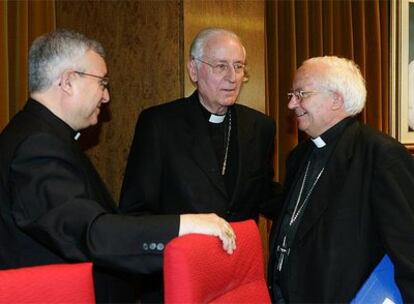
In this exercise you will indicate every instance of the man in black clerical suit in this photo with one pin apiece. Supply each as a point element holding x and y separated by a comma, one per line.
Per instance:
<point>54,208</point>
<point>203,153</point>
<point>349,194</point>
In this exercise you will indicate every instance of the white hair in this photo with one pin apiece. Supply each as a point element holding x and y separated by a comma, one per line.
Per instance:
<point>343,76</point>
<point>199,42</point>
<point>55,52</point>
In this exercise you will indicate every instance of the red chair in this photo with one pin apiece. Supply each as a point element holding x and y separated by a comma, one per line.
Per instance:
<point>55,283</point>
<point>198,270</point>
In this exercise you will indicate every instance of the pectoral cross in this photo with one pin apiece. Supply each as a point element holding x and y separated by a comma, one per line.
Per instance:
<point>283,252</point>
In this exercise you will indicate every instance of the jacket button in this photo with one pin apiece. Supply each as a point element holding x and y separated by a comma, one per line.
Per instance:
<point>145,246</point>
<point>160,246</point>
<point>152,246</point>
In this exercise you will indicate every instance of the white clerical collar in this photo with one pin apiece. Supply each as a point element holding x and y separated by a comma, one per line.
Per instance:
<point>319,142</point>
<point>77,135</point>
<point>214,118</point>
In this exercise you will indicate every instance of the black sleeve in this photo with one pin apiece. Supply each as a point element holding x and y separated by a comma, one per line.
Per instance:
<point>393,206</point>
<point>54,201</point>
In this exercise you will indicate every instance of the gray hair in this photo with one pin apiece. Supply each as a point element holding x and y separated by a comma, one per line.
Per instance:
<point>55,52</point>
<point>199,42</point>
<point>343,76</point>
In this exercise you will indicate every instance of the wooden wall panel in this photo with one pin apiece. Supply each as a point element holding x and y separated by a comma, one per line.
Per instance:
<point>144,57</point>
<point>246,18</point>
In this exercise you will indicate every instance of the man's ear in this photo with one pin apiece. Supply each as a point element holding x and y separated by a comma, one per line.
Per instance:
<point>338,101</point>
<point>192,70</point>
<point>65,82</point>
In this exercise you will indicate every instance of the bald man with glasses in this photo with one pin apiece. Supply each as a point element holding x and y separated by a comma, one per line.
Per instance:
<point>203,153</point>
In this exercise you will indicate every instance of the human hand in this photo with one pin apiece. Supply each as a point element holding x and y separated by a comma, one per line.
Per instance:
<point>209,224</point>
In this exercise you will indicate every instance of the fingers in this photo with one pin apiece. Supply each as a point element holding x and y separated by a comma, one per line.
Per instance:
<point>209,224</point>
<point>229,245</point>
<point>227,236</point>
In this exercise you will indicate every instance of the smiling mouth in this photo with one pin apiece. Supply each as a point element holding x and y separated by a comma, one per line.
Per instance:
<point>300,114</point>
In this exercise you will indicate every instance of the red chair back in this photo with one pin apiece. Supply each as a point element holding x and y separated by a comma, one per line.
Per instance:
<point>55,283</point>
<point>198,270</point>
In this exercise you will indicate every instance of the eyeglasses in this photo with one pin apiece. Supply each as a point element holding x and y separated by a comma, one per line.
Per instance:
<point>299,94</point>
<point>223,67</point>
<point>103,80</point>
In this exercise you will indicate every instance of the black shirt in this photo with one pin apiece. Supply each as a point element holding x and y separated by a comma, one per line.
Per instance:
<point>218,136</point>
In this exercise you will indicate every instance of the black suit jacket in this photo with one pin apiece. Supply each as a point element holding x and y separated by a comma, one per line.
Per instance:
<point>54,207</point>
<point>172,166</point>
<point>361,208</point>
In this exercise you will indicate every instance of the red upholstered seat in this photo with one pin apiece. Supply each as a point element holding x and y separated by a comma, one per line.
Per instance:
<point>198,270</point>
<point>57,283</point>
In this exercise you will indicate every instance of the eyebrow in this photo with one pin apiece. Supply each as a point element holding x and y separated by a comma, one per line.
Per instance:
<point>224,60</point>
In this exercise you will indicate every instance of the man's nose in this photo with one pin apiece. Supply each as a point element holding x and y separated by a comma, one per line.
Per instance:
<point>231,73</point>
<point>294,102</point>
<point>105,96</point>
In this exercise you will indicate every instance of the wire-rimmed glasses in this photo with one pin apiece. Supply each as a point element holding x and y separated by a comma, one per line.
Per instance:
<point>103,80</point>
<point>222,68</point>
<point>299,94</point>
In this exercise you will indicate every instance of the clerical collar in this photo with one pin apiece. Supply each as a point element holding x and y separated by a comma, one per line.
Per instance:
<point>215,118</point>
<point>77,135</point>
<point>319,142</point>
<point>211,117</point>
<point>332,133</point>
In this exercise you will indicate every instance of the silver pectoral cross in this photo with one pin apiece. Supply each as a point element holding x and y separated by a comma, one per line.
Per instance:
<point>283,252</point>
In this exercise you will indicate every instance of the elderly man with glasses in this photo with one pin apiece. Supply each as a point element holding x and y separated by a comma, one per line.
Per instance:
<point>54,208</point>
<point>348,198</point>
<point>204,153</point>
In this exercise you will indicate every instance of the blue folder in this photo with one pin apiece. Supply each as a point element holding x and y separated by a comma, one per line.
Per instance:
<point>380,286</point>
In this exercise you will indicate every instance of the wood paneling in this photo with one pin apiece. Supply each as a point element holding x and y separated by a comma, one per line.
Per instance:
<point>143,43</point>
<point>246,18</point>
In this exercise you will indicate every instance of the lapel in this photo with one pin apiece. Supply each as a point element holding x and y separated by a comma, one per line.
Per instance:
<point>332,179</point>
<point>245,131</point>
<point>201,148</point>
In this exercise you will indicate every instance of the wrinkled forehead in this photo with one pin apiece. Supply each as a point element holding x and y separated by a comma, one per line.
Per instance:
<point>309,75</point>
<point>223,45</point>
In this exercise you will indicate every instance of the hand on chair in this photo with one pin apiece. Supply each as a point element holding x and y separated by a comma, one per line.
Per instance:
<point>209,224</point>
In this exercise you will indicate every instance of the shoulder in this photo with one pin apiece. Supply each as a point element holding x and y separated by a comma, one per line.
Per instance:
<point>30,134</point>
<point>171,108</point>
<point>22,126</point>
<point>37,149</point>
<point>385,149</point>
<point>378,139</point>
<point>247,113</point>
